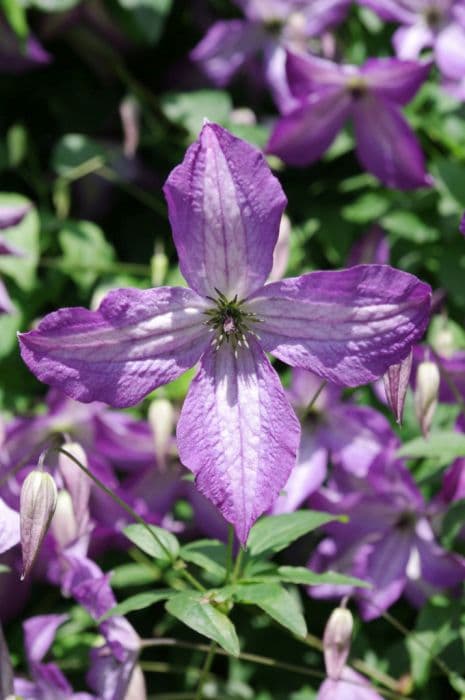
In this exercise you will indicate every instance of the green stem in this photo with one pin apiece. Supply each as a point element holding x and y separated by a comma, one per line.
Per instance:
<point>237,567</point>
<point>315,397</point>
<point>192,580</point>
<point>144,197</point>
<point>229,553</point>
<point>205,671</point>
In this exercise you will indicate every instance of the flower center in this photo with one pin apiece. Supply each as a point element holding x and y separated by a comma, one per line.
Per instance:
<point>357,87</point>
<point>406,520</point>
<point>433,16</point>
<point>229,320</point>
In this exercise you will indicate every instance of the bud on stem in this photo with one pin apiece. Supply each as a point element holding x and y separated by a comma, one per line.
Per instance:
<point>37,505</point>
<point>396,382</point>
<point>426,394</point>
<point>336,641</point>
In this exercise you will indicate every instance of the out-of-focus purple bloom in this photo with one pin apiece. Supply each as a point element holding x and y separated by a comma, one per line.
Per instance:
<point>351,436</point>
<point>329,94</point>
<point>350,686</point>
<point>15,59</point>
<point>281,251</point>
<point>372,247</point>
<point>269,27</point>
<point>462,225</point>
<point>388,542</point>
<point>6,670</point>
<point>48,682</point>
<point>11,215</point>
<point>436,24</point>
<point>9,527</point>
<point>237,431</point>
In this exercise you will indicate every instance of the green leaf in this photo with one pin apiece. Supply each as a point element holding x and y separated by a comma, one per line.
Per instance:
<point>75,155</point>
<point>195,611</point>
<point>408,225</point>
<point>446,445</point>
<point>275,532</point>
<point>25,237</point>
<point>85,251</point>
<point>163,545</point>
<point>277,602</point>
<point>132,575</point>
<point>140,601</point>
<point>366,208</point>
<point>15,14</point>
<point>453,522</point>
<point>209,555</point>
<point>302,575</point>
<point>189,109</point>
<point>144,20</point>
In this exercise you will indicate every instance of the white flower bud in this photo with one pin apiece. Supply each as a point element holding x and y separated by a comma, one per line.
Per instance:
<point>426,394</point>
<point>37,505</point>
<point>336,641</point>
<point>161,418</point>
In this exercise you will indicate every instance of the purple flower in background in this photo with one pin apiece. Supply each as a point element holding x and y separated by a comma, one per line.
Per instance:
<point>389,541</point>
<point>13,59</point>
<point>350,686</point>
<point>237,431</point>
<point>329,94</point>
<point>269,27</point>
<point>10,215</point>
<point>436,24</point>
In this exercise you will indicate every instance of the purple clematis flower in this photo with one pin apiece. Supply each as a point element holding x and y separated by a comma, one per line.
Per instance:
<point>436,24</point>
<point>13,59</point>
<point>350,686</point>
<point>328,94</point>
<point>237,431</point>
<point>270,26</point>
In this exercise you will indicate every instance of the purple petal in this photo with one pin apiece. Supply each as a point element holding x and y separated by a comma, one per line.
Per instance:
<point>238,433</point>
<point>225,48</point>
<point>11,215</point>
<point>108,677</point>
<point>372,248</point>
<point>136,341</point>
<point>9,527</point>
<point>387,571</point>
<point>302,136</point>
<point>76,482</point>
<point>462,225</point>
<point>386,145</point>
<point>39,633</point>
<point>347,326</point>
<point>6,670</point>
<point>306,477</point>
<point>410,41</point>
<point>439,568</point>
<point>450,51</point>
<point>307,74</point>
<point>350,686</point>
<point>13,59</point>
<point>281,251</point>
<point>225,208</point>
<point>393,10</point>
<point>322,14</point>
<point>393,79</point>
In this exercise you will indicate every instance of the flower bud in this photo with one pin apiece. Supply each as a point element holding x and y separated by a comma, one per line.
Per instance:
<point>6,670</point>
<point>336,641</point>
<point>396,382</point>
<point>426,394</point>
<point>161,419</point>
<point>37,504</point>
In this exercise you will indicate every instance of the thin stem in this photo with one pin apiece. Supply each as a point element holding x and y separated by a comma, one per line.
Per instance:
<point>237,567</point>
<point>229,553</point>
<point>205,671</point>
<point>87,167</point>
<point>192,580</point>
<point>117,500</point>
<point>144,197</point>
<point>315,397</point>
<point>259,660</point>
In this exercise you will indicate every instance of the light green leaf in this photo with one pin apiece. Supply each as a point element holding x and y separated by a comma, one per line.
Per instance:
<point>15,14</point>
<point>140,601</point>
<point>189,109</point>
<point>75,155</point>
<point>145,19</point>
<point>408,225</point>
<point>366,208</point>
<point>302,575</point>
<point>195,611</point>
<point>209,555</point>
<point>453,522</point>
<point>446,445</point>
<point>25,237</point>
<point>85,251</point>
<point>162,545</point>
<point>275,532</point>
<point>277,602</point>
<point>4,569</point>
<point>132,575</point>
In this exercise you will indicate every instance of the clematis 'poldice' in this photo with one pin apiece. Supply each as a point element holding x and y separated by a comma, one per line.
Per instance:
<point>237,431</point>
<point>436,24</point>
<point>269,27</point>
<point>329,94</point>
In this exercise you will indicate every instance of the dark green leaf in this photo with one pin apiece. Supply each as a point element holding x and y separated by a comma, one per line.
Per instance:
<point>277,602</point>
<point>275,532</point>
<point>302,575</point>
<point>140,601</point>
<point>209,555</point>
<point>161,545</point>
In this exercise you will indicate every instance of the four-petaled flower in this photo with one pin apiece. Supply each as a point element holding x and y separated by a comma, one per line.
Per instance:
<point>237,431</point>
<point>329,93</point>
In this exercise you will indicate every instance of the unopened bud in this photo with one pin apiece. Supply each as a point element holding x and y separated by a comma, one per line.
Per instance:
<point>396,381</point>
<point>129,111</point>
<point>336,641</point>
<point>161,419</point>
<point>136,689</point>
<point>6,670</point>
<point>426,394</point>
<point>37,505</point>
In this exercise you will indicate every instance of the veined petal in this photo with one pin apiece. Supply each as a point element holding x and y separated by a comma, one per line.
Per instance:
<point>238,433</point>
<point>347,326</point>
<point>394,79</point>
<point>307,74</point>
<point>387,146</point>
<point>225,207</point>
<point>303,135</point>
<point>226,46</point>
<point>136,341</point>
